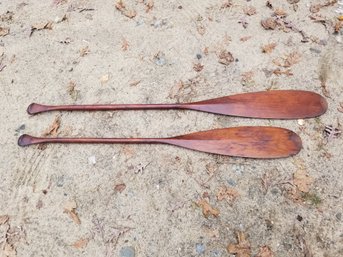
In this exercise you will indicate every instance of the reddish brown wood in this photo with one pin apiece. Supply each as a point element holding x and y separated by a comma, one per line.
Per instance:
<point>275,104</point>
<point>252,142</point>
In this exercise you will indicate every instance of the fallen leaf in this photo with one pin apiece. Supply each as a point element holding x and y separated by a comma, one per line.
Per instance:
<point>134,83</point>
<point>4,31</point>
<point>53,128</point>
<point>120,187</point>
<point>269,24</point>
<point>198,67</point>
<point>287,72</point>
<point>226,4</point>
<point>340,108</point>
<point>8,250</point>
<point>207,209</point>
<point>302,180</point>
<point>338,26</point>
<point>120,6</point>
<point>71,89</point>
<point>84,51</point>
<point>280,12</point>
<point>249,10</point>
<point>41,26</point>
<point>225,57</point>
<point>242,248</point>
<point>4,219</point>
<point>268,48</point>
<point>104,78</point>
<point>70,209</point>
<point>125,44</point>
<point>265,251</point>
<point>149,5</point>
<point>288,61</point>
<point>81,243</point>
<point>243,39</point>
<point>7,16</point>
<point>229,194</point>
<point>201,29</point>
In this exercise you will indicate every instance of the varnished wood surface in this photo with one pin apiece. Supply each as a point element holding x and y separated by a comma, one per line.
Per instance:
<point>251,142</point>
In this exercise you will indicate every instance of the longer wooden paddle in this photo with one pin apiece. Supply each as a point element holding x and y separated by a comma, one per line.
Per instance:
<point>275,104</point>
<point>252,142</point>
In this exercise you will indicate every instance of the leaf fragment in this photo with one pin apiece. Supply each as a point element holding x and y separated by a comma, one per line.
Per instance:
<point>228,194</point>
<point>84,51</point>
<point>120,6</point>
<point>4,219</point>
<point>269,24</point>
<point>120,187</point>
<point>207,209</point>
<point>53,128</point>
<point>81,243</point>
<point>4,31</point>
<point>242,248</point>
<point>302,180</point>
<point>265,251</point>
<point>70,209</point>
<point>249,10</point>
<point>41,26</point>
<point>225,57</point>
<point>198,67</point>
<point>268,48</point>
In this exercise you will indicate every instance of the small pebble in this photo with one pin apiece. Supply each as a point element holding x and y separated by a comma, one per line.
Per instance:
<point>127,251</point>
<point>200,248</point>
<point>199,56</point>
<point>92,160</point>
<point>301,122</point>
<point>339,216</point>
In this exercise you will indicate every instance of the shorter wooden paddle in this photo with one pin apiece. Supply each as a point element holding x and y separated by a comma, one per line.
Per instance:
<point>275,104</point>
<point>252,142</point>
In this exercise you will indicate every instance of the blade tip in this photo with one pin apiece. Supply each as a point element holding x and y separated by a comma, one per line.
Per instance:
<point>24,140</point>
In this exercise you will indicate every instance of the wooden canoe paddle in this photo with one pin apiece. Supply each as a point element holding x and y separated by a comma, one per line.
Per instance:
<point>251,142</point>
<point>275,104</point>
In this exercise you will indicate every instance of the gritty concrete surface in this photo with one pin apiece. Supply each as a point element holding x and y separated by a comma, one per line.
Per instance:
<point>147,200</point>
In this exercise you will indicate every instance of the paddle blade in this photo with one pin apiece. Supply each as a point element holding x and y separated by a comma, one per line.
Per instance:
<point>251,142</point>
<point>275,104</point>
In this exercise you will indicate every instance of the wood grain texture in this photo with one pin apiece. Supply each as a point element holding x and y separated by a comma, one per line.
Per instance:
<point>277,104</point>
<point>251,142</point>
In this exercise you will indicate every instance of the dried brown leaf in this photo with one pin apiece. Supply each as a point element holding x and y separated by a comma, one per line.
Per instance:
<point>84,51</point>
<point>289,60</point>
<point>268,48</point>
<point>225,57</point>
<point>120,6</point>
<point>81,243</point>
<point>242,248</point>
<point>265,251</point>
<point>287,72</point>
<point>8,250</point>
<point>53,128</point>
<point>280,12</point>
<point>249,10</point>
<point>340,108</point>
<point>70,209</point>
<point>302,180</point>
<point>4,219</point>
<point>149,5</point>
<point>124,44</point>
<point>207,209</point>
<point>269,23</point>
<point>243,39</point>
<point>338,26</point>
<point>229,194</point>
<point>4,31</point>
<point>71,89</point>
<point>226,4</point>
<point>198,67</point>
<point>120,187</point>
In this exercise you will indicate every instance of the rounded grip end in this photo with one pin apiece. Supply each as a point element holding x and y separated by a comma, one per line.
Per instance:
<point>34,108</point>
<point>25,140</point>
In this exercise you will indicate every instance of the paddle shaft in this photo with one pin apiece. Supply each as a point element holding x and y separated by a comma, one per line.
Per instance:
<point>38,108</point>
<point>26,140</point>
